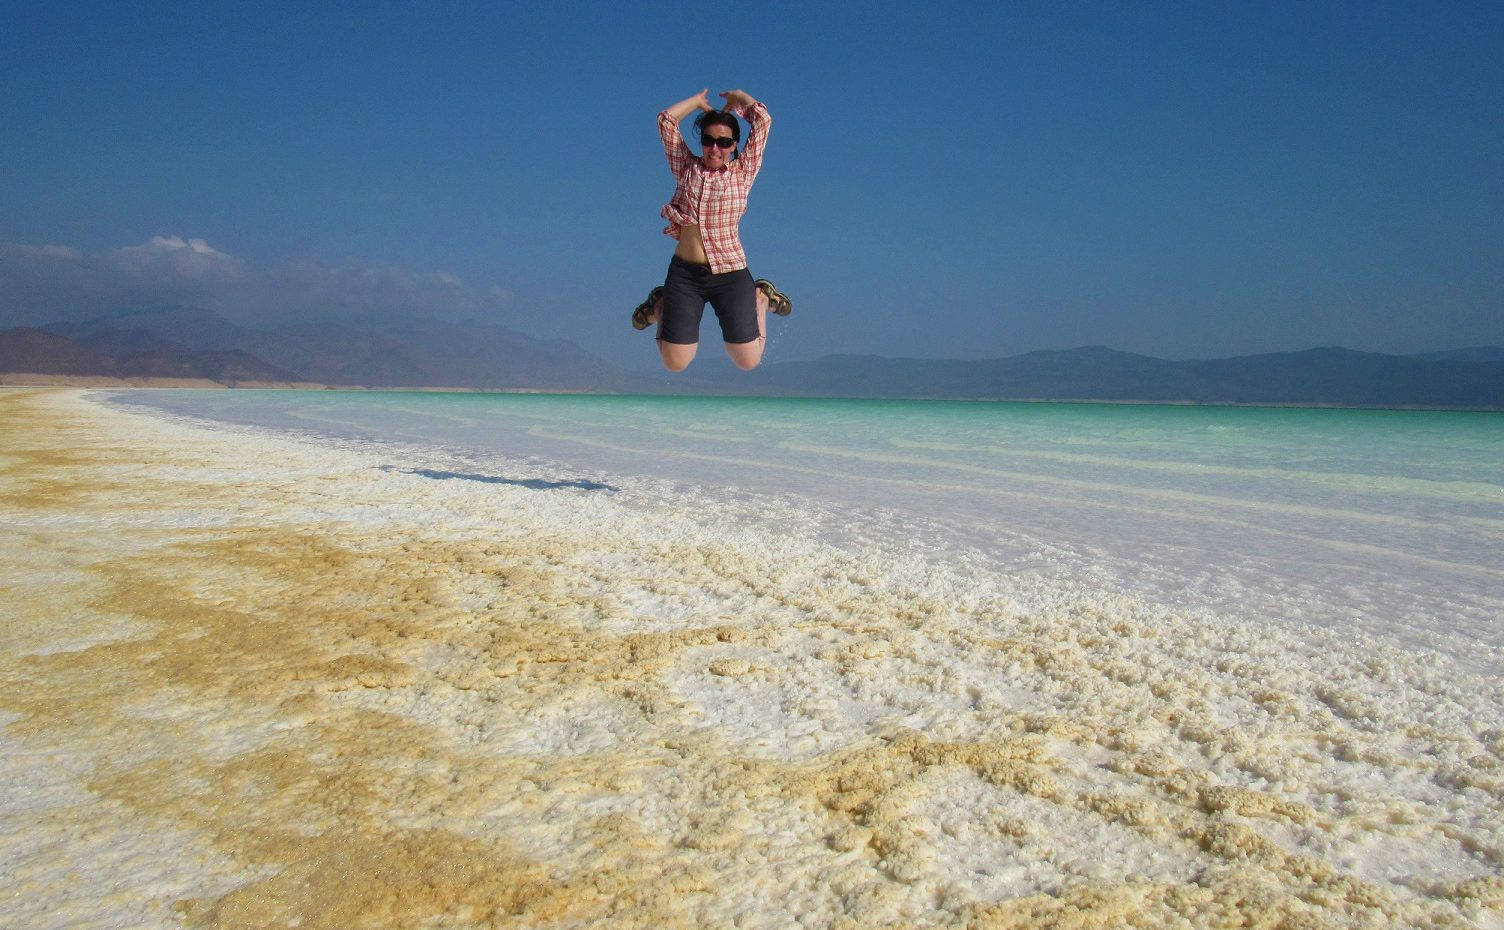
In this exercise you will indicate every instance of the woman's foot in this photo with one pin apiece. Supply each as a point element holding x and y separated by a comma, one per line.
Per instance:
<point>646,313</point>
<point>778,301</point>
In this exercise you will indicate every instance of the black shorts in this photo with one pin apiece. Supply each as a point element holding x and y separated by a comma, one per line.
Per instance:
<point>687,288</point>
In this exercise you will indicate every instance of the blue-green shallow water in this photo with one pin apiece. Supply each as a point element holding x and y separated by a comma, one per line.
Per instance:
<point>1388,522</point>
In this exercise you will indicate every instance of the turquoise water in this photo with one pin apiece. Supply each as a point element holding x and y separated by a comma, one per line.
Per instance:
<point>1386,522</point>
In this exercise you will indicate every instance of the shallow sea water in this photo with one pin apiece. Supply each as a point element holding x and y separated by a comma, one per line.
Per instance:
<point>1367,522</point>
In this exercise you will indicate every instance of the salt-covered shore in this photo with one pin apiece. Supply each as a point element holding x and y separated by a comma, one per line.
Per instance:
<point>252,681</point>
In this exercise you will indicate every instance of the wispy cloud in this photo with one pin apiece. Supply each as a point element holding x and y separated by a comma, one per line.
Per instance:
<point>167,258</point>
<point>44,283</point>
<point>61,253</point>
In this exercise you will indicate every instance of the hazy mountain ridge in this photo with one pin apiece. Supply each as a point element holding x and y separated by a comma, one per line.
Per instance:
<point>1327,375</point>
<point>1472,354</point>
<point>132,353</point>
<point>37,351</point>
<point>406,351</point>
<point>395,351</point>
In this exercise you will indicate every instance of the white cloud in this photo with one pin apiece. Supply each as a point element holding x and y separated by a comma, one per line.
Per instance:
<point>45,252</point>
<point>193,259</point>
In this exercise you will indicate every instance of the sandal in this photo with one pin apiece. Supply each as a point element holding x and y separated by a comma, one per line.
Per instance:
<point>642,312</point>
<point>778,301</point>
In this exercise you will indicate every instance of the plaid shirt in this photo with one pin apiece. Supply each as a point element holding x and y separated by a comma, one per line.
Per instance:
<point>714,200</point>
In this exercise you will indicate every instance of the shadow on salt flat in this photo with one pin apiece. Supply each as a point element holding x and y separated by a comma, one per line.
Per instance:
<point>535,484</point>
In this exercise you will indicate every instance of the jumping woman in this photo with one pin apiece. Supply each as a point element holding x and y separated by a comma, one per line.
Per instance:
<point>709,265</point>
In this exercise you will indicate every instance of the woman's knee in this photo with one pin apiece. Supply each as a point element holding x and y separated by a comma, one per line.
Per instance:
<point>677,356</point>
<point>745,355</point>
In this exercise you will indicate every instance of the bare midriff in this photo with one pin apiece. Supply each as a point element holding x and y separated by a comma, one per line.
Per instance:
<point>691,247</point>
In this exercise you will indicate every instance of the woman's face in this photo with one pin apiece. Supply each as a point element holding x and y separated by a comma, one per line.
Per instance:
<point>714,156</point>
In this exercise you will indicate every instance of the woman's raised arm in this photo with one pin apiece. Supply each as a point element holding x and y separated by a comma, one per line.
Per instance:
<point>688,105</point>
<point>678,153</point>
<point>750,109</point>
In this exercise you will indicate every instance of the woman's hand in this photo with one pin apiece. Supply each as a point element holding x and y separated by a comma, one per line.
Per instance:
<point>738,98</point>
<point>690,104</point>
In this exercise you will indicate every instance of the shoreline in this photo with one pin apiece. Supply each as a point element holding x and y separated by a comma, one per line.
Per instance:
<point>102,381</point>
<point>23,379</point>
<point>257,680</point>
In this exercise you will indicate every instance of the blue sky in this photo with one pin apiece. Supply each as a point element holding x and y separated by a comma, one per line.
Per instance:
<point>943,180</point>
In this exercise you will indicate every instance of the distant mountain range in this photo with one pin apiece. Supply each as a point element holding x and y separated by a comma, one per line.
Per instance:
<point>398,351</point>
<point>1462,378</point>
<point>129,353</point>
<point>404,351</point>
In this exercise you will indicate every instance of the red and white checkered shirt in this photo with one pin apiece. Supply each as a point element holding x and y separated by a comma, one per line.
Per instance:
<point>714,200</point>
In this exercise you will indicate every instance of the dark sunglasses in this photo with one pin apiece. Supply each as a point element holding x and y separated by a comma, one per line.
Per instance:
<point>720,142</point>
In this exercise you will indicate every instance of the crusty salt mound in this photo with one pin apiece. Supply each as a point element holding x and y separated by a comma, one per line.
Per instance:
<point>253,682</point>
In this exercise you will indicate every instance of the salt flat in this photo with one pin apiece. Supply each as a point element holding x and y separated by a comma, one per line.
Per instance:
<point>253,681</point>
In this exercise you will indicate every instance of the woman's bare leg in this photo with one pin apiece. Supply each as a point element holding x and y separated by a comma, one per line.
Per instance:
<point>676,357</point>
<point>747,355</point>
